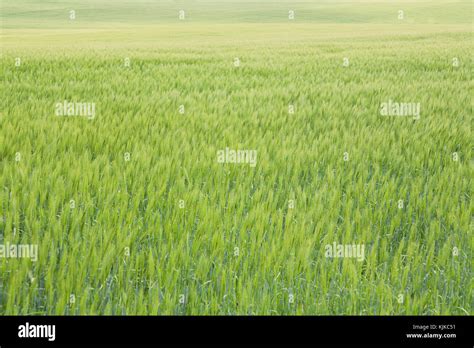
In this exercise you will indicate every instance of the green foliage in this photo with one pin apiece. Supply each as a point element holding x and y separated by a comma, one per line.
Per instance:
<point>127,247</point>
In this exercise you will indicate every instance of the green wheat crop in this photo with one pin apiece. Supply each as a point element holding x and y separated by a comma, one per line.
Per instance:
<point>132,212</point>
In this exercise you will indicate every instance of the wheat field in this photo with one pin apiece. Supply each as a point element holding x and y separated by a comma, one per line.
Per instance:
<point>272,157</point>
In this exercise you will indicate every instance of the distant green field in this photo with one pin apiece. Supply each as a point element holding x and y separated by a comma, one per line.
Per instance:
<point>54,14</point>
<point>112,128</point>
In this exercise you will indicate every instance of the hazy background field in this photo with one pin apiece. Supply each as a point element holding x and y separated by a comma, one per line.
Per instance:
<point>127,247</point>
